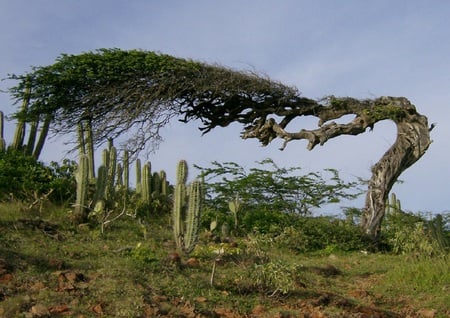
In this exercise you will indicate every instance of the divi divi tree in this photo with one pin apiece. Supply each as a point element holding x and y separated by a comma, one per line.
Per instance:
<point>118,91</point>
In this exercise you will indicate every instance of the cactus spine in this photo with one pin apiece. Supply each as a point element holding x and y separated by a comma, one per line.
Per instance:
<point>82,178</point>
<point>186,210</point>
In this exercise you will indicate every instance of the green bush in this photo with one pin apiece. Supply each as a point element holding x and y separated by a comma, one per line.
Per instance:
<point>413,234</point>
<point>22,177</point>
<point>325,234</point>
<point>63,181</point>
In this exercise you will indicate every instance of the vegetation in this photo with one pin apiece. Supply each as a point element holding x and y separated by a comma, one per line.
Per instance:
<point>49,267</point>
<point>117,91</point>
<point>269,257</point>
<point>273,263</point>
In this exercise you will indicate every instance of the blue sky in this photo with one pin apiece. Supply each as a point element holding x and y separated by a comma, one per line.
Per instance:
<point>346,48</point>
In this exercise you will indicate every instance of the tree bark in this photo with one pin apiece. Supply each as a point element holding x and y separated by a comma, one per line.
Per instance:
<point>413,139</point>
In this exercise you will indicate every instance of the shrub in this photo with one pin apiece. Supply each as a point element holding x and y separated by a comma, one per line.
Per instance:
<point>413,234</point>
<point>22,177</point>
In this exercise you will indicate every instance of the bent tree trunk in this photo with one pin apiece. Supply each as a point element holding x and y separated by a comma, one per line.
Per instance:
<point>413,139</point>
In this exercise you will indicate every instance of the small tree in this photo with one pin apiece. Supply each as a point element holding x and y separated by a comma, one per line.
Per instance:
<point>275,188</point>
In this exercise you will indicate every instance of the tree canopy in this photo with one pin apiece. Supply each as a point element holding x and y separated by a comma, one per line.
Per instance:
<point>115,91</point>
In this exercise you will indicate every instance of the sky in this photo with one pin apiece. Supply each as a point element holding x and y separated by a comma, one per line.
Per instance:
<point>362,49</point>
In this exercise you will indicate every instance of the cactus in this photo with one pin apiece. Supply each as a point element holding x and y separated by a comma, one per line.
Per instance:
<point>32,137</point>
<point>19,134</point>
<point>101,181</point>
<point>182,172</point>
<point>235,207</point>
<point>126,170</point>
<point>42,136</point>
<point>119,173</point>
<point>393,205</point>
<point>112,164</point>
<point>2,139</point>
<point>146,183</point>
<point>138,176</point>
<point>164,183</point>
<point>156,184</point>
<point>105,157</point>
<point>82,178</point>
<point>89,144</point>
<point>187,207</point>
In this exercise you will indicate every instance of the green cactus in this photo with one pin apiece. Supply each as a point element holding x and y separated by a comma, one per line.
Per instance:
<point>138,176</point>
<point>89,144</point>
<point>119,174</point>
<point>105,157</point>
<point>110,185</point>
<point>393,205</point>
<point>126,170</point>
<point>187,207</point>
<point>182,172</point>
<point>101,181</point>
<point>82,179</point>
<point>19,134</point>
<point>156,184</point>
<point>146,183</point>
<point>164,183</point>
<point>32,137</point>
<point>42,136</point>
<point>235,207</point>
<point>2,139</point>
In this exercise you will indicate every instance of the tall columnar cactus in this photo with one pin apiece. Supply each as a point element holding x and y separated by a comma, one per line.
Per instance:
<point>164,183</point>
<point>100,186</point>
<point>2,138</point>
<point>138,176</point>
<point>393,205</point>
<point>126,170</point>
<point>82,179</point>
<point>156,184</point>
<point>187,207</point>
<point>32,137</point>
<point>112,165</point>
<point>193,214</point>
<point>19,134</point>
<point>146,188</point>
<point>119,173</point>
<point>90,149</point>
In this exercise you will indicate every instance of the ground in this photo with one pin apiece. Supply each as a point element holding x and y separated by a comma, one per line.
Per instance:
<point>51,268</point>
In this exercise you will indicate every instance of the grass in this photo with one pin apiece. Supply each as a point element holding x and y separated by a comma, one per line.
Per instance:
<point>49,267</point>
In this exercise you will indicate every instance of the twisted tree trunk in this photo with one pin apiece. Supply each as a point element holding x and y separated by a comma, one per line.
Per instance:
<point>413,139</point>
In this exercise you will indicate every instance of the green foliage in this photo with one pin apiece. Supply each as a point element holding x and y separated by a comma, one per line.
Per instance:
<point>273,188</point>
<point>100,86</point>
<point>274,277</point>
<point>63,182</point>
<point>23,177</point>
<point>414,234</point>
